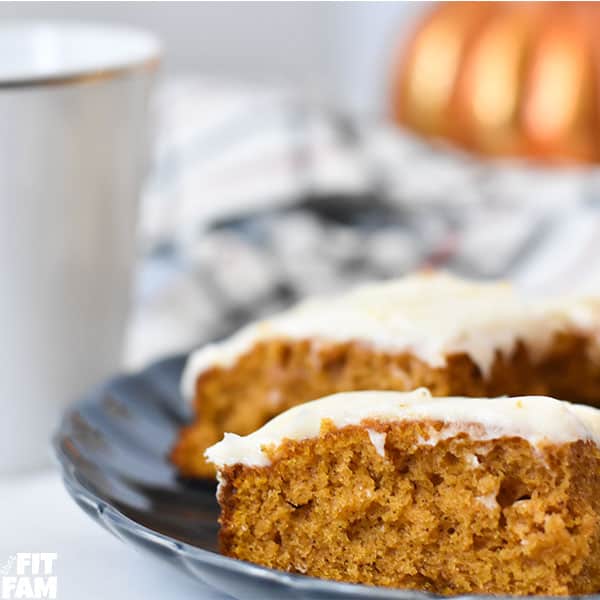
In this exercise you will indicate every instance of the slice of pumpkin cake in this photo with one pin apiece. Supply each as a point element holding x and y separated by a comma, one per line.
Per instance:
<point>455,337</point>
<point>449,495</point>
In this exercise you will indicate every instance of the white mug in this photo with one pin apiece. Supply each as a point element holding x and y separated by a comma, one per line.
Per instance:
<point>73,139</point>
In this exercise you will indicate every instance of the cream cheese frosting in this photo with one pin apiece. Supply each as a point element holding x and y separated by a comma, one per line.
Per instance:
<point>538,419</point>
<point>430,315</point>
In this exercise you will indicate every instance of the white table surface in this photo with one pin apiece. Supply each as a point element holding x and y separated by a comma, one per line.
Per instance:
<point>37,515</point>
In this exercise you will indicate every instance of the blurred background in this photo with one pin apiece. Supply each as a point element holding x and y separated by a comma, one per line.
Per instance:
<point>302,148</point>
<point>332,51</point>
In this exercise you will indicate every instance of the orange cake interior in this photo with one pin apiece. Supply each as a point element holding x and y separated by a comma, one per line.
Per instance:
<point>452,336</point>
<point>476,496</point>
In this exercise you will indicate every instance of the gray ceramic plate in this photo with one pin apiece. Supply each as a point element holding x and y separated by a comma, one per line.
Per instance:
<point>113,446</point>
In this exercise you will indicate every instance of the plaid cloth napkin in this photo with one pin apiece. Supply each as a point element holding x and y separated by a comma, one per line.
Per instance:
<point>257,198</point>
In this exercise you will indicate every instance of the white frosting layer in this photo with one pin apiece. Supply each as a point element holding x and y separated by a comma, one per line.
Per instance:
<point>538,419</point>
<point>430,315</point>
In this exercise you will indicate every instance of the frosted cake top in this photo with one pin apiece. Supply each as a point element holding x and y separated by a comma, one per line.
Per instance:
<point>430,315</point>
<point>538,419</point>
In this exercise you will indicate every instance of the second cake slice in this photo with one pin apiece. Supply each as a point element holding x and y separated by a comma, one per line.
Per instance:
<point>454,337</point>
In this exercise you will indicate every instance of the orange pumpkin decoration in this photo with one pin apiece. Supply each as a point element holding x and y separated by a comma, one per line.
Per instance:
<point>505,79</point>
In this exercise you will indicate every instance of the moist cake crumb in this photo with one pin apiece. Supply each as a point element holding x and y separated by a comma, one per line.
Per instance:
<point>311,493</point>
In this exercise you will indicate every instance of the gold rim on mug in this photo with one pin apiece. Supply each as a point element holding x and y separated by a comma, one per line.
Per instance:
<point>149,64</point>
